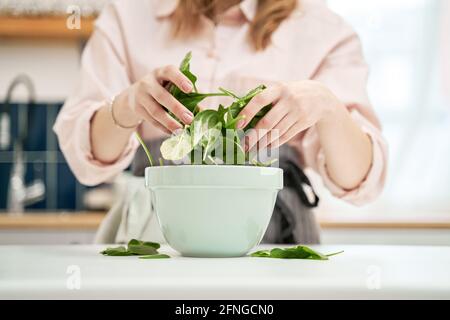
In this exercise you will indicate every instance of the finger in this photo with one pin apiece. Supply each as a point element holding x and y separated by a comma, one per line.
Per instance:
<point>287,136</point>
<point>258,102</point>
<point>155,111</point>
<point>146,116</point>
<point>174,75</point>
<point>279,130</point>
<point>267,123</point>
<point>275,133</point>
<point>164,98</point>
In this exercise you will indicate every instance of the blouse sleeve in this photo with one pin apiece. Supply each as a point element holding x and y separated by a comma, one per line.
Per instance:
<point>345,73</point>
<point>103,74</point>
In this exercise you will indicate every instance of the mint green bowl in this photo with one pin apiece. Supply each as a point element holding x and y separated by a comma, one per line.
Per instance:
<point>213,211</point>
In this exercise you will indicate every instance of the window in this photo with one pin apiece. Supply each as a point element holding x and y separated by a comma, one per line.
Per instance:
<point>404,43</point>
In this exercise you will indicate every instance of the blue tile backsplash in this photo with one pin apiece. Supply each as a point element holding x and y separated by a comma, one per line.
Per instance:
<point>43,159</point>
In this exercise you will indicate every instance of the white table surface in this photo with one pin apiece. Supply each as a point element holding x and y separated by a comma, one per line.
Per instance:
<point>361,272</point>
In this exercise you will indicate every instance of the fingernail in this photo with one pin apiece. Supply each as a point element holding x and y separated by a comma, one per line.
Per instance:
<point>240,124</point>
<point>186,86</point>
<point>187,118</point>
<point>246,144</point>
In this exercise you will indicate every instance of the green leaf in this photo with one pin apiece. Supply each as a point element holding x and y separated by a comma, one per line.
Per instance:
<point>229,93</point>
<point>246,99</point>
<point>261,254</point>
<point>335,253</point>
<point>315,255</point>
<point>116,251</point>
<point>134,247</point>
<point>261,113</point>
<point>185,69</point>
<point>232,117</point>
<point>135,242</point>
<point>155,256</point>
<point>177,147</point>
<point>210,140</point>
<point>142,248</point>
<point>190,100</point>
<point>201,136</point>
<point>263,164</point>
<point>202,123</point>
<point>298,252</point>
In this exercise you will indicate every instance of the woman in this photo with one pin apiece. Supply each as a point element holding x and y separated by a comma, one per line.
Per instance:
<point>309,58</point>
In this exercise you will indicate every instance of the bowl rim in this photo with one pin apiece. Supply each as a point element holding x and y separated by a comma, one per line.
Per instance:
<point>230,166</point>
<point>258,177</point>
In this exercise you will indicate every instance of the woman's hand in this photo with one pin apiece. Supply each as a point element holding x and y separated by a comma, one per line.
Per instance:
<point>296,107</point>
<point>146,100</point>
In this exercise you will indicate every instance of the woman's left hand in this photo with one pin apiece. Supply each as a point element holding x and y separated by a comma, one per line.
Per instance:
<point>296,107</point>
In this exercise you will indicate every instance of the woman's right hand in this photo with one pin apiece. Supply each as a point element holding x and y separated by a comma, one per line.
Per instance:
<point>146,99</point>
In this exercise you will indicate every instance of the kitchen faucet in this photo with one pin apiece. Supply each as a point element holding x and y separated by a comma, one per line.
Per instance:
<point>19,194</point>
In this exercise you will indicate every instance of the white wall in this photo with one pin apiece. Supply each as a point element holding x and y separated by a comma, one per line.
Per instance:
<point>52,65</point>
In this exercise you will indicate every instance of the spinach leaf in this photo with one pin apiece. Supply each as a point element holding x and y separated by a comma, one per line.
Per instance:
<point>135,248</point>
<point>185,69</point>
<point>232,146</point>
<point>202,123</point>
<point>210,139</point>
<point>261,254</point>
<point>140,247</point>
<point>190,100</point>
<point>116,251</point>
<point>209,126</point>
<point>177,147</point>
<point>261,113</point>
<point>155,256</point>
<point>241,102</point>
<point>263,164</point>
<point>298,252</point>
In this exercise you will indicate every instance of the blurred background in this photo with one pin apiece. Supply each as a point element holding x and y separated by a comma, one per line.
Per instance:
<point>406,43</point>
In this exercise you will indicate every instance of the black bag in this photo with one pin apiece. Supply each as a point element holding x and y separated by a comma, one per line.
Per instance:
<point>292,220</point>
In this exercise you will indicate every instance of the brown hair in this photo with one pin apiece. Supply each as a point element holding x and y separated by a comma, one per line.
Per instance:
<point>269,15</point>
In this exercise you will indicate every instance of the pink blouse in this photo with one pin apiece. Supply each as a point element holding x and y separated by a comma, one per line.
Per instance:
<point>132,38</point>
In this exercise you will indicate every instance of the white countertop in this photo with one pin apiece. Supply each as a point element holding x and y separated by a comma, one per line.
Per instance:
<point>361,272</point>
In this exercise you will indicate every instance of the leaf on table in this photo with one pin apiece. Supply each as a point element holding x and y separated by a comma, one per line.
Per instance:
<point>142,248</point>
<point>261,254</point>
<point>155,256</point>
<point>116,251</point>
<point>298,252</point>
<point>134,248</point>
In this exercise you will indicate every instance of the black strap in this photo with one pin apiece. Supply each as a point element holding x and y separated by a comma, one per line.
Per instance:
<point>295,179</point>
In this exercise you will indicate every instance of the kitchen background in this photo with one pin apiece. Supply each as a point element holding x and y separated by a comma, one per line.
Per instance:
<point>407,45</point>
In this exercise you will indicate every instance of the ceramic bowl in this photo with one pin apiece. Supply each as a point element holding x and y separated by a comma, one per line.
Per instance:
<point>213,211</point>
